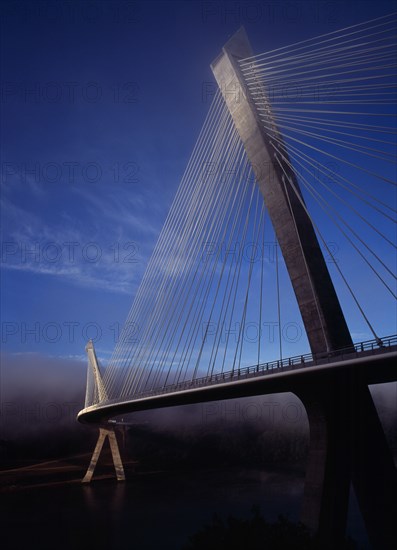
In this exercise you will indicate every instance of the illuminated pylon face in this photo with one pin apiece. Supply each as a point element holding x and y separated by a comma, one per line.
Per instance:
<point>318,303</point>
<point>93,364</point>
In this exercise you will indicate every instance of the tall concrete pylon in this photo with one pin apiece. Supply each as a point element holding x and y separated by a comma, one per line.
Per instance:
<point>347,442</point>
<point>93,364</point>
<point>322,315</point>
<point>105,431</point>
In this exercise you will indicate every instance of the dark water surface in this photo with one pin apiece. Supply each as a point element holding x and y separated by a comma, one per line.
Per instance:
<point>156,510</point>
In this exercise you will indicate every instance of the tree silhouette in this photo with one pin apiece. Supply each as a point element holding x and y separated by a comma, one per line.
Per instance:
<point>255,533</point>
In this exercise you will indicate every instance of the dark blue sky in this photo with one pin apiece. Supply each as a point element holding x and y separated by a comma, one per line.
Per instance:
<point>101,105</point>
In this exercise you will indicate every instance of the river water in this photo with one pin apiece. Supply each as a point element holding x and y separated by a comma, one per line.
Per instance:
<point>151,510</point>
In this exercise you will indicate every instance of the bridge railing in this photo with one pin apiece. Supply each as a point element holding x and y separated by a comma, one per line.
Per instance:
<point>307,360</point>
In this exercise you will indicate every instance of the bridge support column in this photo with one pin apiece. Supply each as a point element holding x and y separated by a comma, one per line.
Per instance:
<point>347,444</point>
<point>118,465</point>
<point>328,467</point>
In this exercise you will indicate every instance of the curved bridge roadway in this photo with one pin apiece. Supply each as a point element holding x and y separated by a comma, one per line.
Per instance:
<point>370,362</point>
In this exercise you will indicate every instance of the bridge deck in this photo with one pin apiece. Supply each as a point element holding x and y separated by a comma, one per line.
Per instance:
<point>372,361</point>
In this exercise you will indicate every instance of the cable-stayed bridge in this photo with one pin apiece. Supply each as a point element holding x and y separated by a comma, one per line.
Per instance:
<point>298,142</point>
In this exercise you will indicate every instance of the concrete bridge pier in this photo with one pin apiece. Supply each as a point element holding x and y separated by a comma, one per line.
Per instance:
<point>106,432</point>
<point>347,444</point>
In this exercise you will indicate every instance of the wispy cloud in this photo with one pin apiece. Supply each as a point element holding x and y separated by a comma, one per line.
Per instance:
<point>127,208</point>
<point>77,277</point>
<point>77,253</point>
